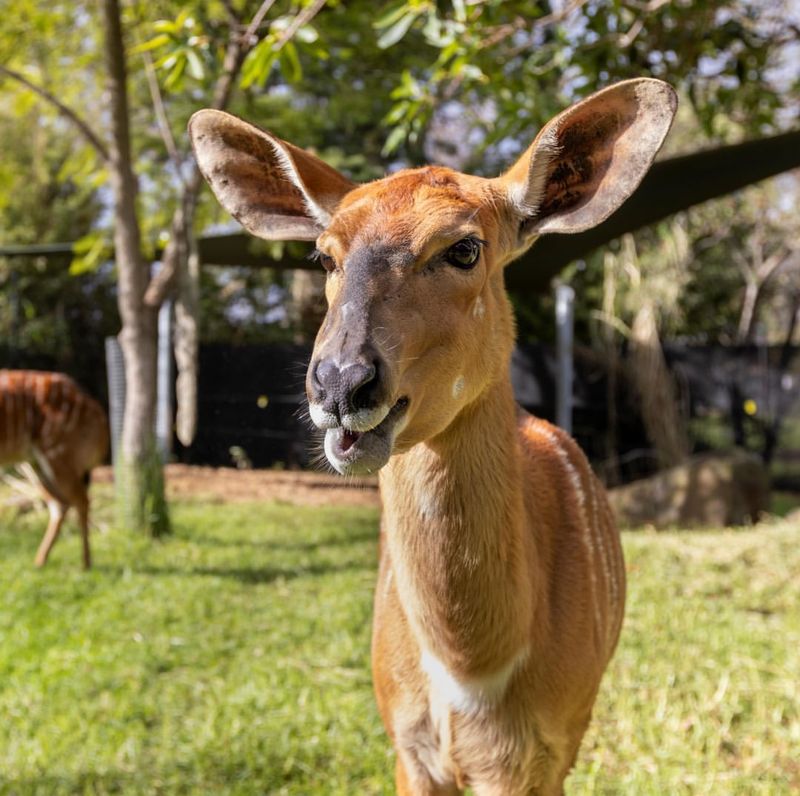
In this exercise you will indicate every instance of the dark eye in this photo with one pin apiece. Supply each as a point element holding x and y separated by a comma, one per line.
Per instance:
<point>465,253</point>
<point>327,262</point>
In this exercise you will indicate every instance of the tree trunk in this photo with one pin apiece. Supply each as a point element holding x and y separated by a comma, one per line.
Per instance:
<point>663,421</point>
<point>140,484</point>
<point>187,341</point>
<point>610,349</point>
<point>747,317</point>
<point>307,304</point>
<point>772,429</point>
<point>181,263</point>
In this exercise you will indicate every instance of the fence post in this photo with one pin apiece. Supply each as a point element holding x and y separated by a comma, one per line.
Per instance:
<point>165,381</point>
<point>565,301</point>
<point>115,369</point>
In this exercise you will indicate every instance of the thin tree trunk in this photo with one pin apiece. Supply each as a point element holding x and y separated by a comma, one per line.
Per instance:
<point>773,429</point>
<point>747,317</point>
<point>140,475</point>
<point>611,351</point>
<point>187,338</point>
<point>307,304</point>
<point>180,262</point>
<point>665,427</point>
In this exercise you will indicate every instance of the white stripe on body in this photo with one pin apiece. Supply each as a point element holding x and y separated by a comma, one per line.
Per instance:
<point>587,535</point>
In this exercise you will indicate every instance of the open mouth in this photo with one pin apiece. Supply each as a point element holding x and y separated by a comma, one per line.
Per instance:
<point>359,452</point>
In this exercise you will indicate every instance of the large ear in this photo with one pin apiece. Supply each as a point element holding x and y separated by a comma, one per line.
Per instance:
<point>273,189</point>
<point>589,159</point>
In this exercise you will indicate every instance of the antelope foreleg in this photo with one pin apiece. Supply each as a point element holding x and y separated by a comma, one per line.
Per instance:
<point>57,511</point>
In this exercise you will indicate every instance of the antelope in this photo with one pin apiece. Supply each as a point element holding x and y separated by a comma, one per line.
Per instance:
<point>501,584</point>
<point>48,421</point>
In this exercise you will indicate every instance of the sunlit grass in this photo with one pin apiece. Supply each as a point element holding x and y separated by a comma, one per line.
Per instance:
<point>703,696</point>
<point>233,658</point>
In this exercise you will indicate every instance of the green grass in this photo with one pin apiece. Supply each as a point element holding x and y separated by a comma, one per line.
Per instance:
<point>233,658</point>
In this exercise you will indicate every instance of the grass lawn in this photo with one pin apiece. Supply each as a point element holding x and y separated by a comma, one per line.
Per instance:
<point>233,658</point>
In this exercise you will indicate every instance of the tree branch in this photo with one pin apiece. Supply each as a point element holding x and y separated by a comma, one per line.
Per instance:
<point>235,52</point>
<point>63,109</point>
<point>502,32</point>
<point>303,18</point>
<point>161,116</point>
<point>255,23</point>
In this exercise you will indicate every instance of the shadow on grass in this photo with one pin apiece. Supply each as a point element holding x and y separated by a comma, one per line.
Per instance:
<point>202,775</point>
<point>369,534</point>
<point>247,575</point>
<point>111,782</point>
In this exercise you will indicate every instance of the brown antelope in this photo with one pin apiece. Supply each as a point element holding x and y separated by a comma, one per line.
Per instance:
<point>501,587</point>
<point>46,420</point>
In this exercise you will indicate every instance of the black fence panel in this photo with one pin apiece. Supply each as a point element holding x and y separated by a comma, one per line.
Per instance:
<point>252,410</point>
<point>251,407</point>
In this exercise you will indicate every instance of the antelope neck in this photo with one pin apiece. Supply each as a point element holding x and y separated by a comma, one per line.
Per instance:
<point>454,512</point>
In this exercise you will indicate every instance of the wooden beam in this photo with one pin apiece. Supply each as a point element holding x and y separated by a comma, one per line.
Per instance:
<point>672,185</point>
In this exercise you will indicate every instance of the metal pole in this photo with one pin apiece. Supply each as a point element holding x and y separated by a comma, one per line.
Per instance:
<point>565,303</point>
<point>115,370</point>
<point>164,400</point>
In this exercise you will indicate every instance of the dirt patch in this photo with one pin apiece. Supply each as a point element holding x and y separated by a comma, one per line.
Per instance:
<point>226,484</point>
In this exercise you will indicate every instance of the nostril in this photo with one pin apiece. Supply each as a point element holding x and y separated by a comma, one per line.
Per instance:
<point>324,374</point>
<point>364,392</point>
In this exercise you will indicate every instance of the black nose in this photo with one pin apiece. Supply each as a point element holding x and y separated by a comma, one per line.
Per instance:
<point>343,391</point>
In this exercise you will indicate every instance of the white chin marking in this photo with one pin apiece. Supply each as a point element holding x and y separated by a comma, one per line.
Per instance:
<point>458,387</point>
<point>320,418</point>
<point>332,458</point>
<point>365,419</point>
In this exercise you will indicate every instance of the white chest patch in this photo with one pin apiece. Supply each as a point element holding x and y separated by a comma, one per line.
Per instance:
<point>458,387</point>
<point>466,696</point>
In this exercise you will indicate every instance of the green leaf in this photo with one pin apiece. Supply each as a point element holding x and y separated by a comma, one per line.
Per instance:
<point>307,34</point>
<point>258,63</point>
<point>391,16</point>
<point>290,63</point>
<point>167,61</point>
<point>398,112</point>
<point>195,65</point>
<point>398,30</point>
<point>176,73</point>
<point>153,44</point>
<point>166,26</point>
<point>90,252</point>
<point>180,20</point>
<point>395,138</point>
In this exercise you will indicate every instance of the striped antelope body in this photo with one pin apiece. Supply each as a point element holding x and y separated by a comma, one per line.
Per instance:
<point>501,586</point>
<point>48,421</point>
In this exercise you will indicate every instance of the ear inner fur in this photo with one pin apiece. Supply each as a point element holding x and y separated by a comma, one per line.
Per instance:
<point>590,158</point>
<point>274,189</point>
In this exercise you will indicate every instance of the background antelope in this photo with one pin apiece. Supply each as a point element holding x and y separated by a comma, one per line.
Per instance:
<point>48,421</point>
<point>501,588</point>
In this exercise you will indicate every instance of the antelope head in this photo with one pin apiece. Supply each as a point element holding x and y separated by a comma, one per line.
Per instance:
<point>418,323</point>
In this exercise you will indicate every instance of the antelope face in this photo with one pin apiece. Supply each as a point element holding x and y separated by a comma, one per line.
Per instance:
<point>412,291</point>
<point>418,321</point>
